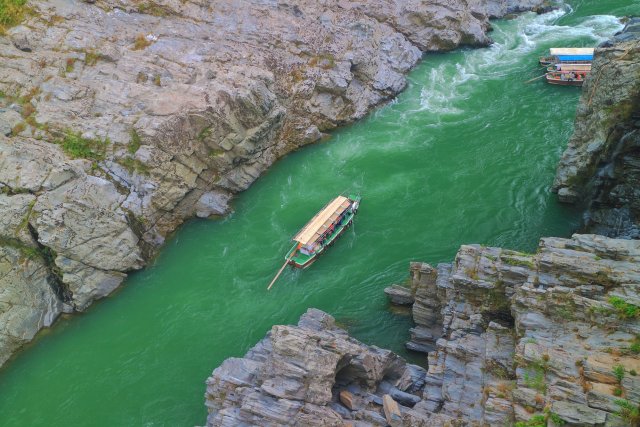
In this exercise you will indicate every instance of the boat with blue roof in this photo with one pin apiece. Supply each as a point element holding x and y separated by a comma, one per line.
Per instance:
<point>575,55</point>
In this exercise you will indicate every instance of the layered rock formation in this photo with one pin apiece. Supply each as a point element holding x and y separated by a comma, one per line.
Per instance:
<point>513,337</point>
<point>601,165</point>
<point>312,374</point>
<point>118,120</point>
<point>551,338</point>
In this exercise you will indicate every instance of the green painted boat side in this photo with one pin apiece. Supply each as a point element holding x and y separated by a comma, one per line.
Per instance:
<point>301,260</point>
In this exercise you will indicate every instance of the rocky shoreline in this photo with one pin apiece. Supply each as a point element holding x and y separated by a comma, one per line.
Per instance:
<point>599,169</point>
<point>544,339</point>
<point>510,337</point>
<point>118,121</point>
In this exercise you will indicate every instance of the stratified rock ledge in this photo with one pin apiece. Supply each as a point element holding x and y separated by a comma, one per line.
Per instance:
<point>509,337</point>
<point>312,374</point>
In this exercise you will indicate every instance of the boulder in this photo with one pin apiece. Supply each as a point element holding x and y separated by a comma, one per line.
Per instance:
<point>575,414</point>
<point>399,295</point>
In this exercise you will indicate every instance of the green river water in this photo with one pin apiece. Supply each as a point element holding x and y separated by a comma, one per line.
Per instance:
<point>465,155</point>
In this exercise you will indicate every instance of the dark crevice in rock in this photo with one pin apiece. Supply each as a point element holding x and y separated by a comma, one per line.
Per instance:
<point>139,227</point>
<point>13,191</point>
<point>54,278</point>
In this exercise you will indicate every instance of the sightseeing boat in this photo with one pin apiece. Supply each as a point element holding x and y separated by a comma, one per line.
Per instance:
<point>322,231</point>
<point>566,78</point>
<point>586,68</point>
<point>575,55</point>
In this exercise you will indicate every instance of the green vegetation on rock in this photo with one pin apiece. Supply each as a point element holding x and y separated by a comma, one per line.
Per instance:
<point>629,412</point>
<point>618,371</point>
<point>76,146</point>
<point>518,262</point>
<point>27,251</point>
<point>556,419</point>
<point>624,309</point>
<point>133,165</point>
<point>154,9</point>
<point>12,12</point>
<point>91,57</point>
<point>134,142</point>
<point>535,421</point>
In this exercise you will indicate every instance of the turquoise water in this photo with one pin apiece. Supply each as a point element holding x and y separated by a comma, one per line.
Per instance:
<point>465,155</point>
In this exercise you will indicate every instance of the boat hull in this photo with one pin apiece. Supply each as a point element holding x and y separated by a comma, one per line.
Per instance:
<point>302,264</point>
<point>565,82</point>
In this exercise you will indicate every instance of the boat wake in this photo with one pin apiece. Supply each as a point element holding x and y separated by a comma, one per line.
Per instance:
<point>450,83</point>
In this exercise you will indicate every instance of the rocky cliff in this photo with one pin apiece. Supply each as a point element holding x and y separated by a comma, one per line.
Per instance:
<point>312,374</point>
<point>118,120</point>
<point>541,339</point>
<point>600,168</point>
<point>551,337</point>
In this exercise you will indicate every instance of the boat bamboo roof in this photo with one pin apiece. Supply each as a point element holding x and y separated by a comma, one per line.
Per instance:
<point>322,220</point>
<point>574,67</point>
<point>563,51</point>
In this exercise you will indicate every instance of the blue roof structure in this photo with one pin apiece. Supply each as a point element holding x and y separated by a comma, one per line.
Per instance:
<point>569,58</point>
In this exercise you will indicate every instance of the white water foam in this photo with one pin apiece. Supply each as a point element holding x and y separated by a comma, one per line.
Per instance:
<point>445,90</point>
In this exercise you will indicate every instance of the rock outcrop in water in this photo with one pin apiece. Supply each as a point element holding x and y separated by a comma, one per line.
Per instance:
<point>312,374</point>
<point>551,338</point>
<point>601,165</point>
<point>119,120</point>
<point>513,336</point>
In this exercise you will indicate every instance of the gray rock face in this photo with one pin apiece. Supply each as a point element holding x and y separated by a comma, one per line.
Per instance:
<point>510,335</point>
<point>399,295</point>
<point>173,106</point>
<point>600,165</point>
<point>28,300</point>
<point>296,374</point>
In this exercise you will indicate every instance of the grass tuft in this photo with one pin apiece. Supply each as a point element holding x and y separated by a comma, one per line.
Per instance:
<point>624,309</point>
<point>134,142</point>
<point>12,12</point>
<point>19,128</point>
<point>76,146</point>
<point>618,371</point>
<point>535,421</point>
<point>140,42</point>
<point>628,412</point>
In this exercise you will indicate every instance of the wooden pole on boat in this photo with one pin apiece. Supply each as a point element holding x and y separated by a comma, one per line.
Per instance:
<point>281,270</point>
<point>539,77</point>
